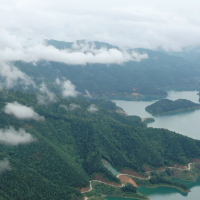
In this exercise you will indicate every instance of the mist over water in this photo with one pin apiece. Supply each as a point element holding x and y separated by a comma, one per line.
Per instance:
<point>185,123</point>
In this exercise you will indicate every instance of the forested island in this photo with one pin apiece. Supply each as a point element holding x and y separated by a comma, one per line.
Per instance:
<point>166,106</point>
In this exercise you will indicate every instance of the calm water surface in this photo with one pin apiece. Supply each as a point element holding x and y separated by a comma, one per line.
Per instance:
<point>186,123</point>
<point>167,193</point>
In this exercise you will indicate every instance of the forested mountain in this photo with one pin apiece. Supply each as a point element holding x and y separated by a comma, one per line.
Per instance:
<point>191,54</point>
<point>149,77</point>
<point>166,106</point>
<point>62,144</point>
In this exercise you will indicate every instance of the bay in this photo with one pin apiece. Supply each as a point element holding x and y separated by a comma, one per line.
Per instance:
<point>185,123</point>
<point>166,193</point>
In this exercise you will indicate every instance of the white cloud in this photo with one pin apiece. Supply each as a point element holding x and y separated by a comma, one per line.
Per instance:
<point>21,112</point>
<point>58,81</point>
<point>13,76</point>
<point>71,107</point>
<point>68,89</point>
<point>33,51</point>
<point>92,108</point>
<point>15,137</point>
<point>4,165</point>
<point>46,96</point>
<point>146,24</point>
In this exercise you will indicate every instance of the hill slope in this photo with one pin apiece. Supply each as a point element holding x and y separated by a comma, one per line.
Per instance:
<point>71,143</point>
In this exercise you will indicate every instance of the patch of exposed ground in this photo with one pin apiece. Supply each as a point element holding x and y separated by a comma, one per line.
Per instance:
<point>196,160</point>
<point>147,168</point>
<point>84,189</point>
<point>136,94</point>
<point>161,168</point>
<point>126,179</point>
<point>179,166</point>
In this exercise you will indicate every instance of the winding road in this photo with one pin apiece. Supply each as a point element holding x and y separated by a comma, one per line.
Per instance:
<point>189,167</point>
<point>103,183</point>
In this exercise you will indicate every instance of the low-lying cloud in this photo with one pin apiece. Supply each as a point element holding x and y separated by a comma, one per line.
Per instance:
<point>34,51</point>
<point>4,165</point>
<point>68,89</point>
<point>92,108</point>
<point>12,76</point>
<point>119,56</point>
<point>13,48</point>
<point>15,137</point>
<point>71,107</point>
<point>46,96</point>
<point>22,112</point>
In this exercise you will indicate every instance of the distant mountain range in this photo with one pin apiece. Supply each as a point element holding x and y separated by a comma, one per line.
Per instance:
<point>191,54</point>
<point>134,80</point>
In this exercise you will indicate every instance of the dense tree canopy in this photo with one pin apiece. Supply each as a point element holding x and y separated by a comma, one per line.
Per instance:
<point>71,143</point>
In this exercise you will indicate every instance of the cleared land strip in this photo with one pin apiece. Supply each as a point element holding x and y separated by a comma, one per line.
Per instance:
<point>134,176</point>
<point>103,183</point>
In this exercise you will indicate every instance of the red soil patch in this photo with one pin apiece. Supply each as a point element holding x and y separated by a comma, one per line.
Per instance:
<point>195,160</point>
<point>84,189</point>
<point>136,94</point>
<point>130,172</point>
<point>119,110</point>
<point>126,179</point>
<point>99,177</point>
<point>161,168</point>
<point>147,168</point>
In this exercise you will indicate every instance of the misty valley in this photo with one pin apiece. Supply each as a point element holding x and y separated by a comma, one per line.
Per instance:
<point>89,120</point>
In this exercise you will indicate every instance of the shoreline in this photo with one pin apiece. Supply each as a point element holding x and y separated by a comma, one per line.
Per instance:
<point>175,111</point>
<point>156,186</point>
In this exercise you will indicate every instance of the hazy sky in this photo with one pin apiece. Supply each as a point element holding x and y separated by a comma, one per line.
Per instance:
<point>128,23</point>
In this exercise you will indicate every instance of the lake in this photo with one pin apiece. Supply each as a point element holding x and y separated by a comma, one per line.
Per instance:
<point>186,123</point>
<point>166,193</point>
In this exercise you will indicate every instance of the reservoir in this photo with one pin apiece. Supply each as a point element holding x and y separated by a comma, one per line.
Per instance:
<point>167,193</point>
<point>186,123</point>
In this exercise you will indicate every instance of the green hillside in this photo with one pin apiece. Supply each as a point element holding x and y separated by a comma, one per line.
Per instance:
<point>166,106</point>
<point>70,146</point>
